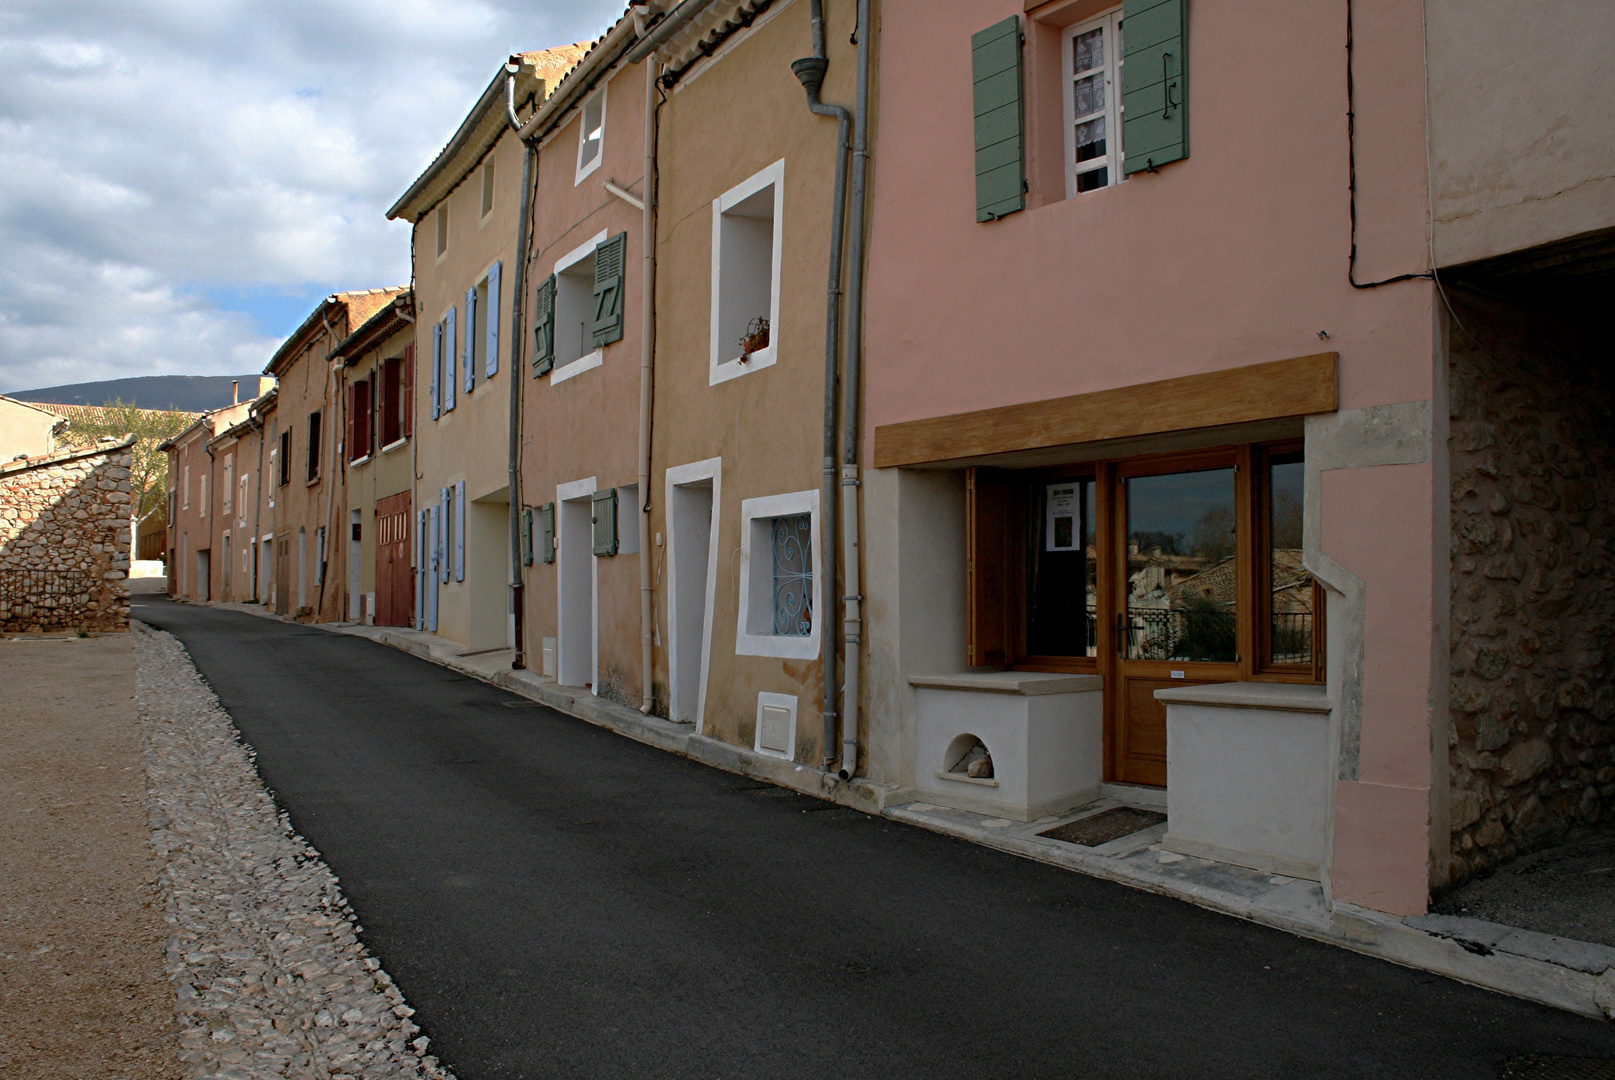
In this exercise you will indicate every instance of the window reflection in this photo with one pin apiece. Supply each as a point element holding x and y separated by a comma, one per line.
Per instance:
<point>1291,631</point>
<point>1182,578</point>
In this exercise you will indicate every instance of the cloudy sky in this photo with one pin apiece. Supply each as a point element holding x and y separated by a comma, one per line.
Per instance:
<point>180,180</point>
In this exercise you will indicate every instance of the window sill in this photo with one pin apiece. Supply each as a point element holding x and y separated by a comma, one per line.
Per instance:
<point>733,369</point>
<point>390,447</point>
<point>359,461</point>
<point>587,362</point>
<point>311,481</point>
<point>781,646</point>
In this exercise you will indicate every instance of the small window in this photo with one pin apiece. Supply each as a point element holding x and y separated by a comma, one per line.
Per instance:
<point>242,502</point>
<point>360,437</point>
<point>392,400</point>
<point>487,188</point>
<point>746,224</point>
<point>779,598</point>
<point>186,501</point>
<point>201,507</point>
<point>285,457</point>
<point>1092,68</point>
<point>591,134</point>
<point>227,496</point>
<point>575,311</point>
<point>442,229</point>
<point>313,446</point>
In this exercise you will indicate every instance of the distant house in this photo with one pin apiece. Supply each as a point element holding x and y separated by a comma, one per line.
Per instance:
<point>27,430</point>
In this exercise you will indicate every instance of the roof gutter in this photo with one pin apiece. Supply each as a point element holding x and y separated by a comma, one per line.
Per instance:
<point>671,24</point>
<point>462,136</point>
<point>580,80</point>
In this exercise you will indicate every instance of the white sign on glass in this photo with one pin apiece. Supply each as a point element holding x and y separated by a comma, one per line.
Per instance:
<point>1063,517</point>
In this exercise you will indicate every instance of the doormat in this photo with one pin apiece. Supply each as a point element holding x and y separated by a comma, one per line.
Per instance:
<point>1554,1067</point>
<point>1105,827</point>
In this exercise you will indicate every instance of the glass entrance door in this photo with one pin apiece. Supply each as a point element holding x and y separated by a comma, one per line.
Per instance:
<point>1178,585</point>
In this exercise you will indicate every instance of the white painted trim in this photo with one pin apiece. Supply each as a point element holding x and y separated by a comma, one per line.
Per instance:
<point>586,362</point>
<point>694,472</point>
<point>576,491</point>
<point>780,645</point>
<point>584,170</point>
<point>591,360</point>
<point>787,702</point>
<point>721,368</point>
<point>1112,70</point>
<point>390,447</point>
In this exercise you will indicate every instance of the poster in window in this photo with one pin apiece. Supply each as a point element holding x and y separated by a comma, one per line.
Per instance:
<point>1063,517</point>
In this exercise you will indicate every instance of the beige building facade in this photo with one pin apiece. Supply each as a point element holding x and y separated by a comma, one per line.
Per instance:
<point>378,371</point>
<point>26,430</point>
<point>464,211</point>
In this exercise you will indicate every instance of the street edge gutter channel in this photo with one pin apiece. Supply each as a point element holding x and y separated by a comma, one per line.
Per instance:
<point>1572,975</point>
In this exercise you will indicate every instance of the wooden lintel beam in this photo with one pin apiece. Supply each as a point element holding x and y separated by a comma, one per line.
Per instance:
<point>1302,386</point>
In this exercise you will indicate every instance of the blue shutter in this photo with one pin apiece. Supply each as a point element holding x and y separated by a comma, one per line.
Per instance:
<point>544,327</point>
<point>431,587</point>
<point>995,61</point>
<point>604,505</point>
<point>491,361</point>
<point>450,356</point>
<point>609,256</point>
<point>1155,83</point>
<point>459,531</point>
<point>546,514</point>
<point>527,536</point>
<point>470,355</point>
<point>421,568</point>
<point>437,370</point>
<point>445,510</point>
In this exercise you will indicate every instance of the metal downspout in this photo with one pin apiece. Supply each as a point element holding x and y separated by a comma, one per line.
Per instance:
<point>647,352</point>
<point>810,72</point>
<point>518,294</point>
<point>852,625</point>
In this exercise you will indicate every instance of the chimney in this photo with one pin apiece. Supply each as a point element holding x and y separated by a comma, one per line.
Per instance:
<point>266,383</point>
<point>235,391</point>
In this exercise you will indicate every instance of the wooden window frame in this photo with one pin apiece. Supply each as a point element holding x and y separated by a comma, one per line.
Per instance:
<point>998,508</point>
<point>1262,507</point>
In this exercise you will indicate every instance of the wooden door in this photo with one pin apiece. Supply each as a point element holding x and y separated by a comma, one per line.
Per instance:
<point>283,575</point>
<point>1179,606</point>
<point>395,585</point>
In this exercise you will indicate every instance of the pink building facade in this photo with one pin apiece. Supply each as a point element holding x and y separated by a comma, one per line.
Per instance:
<point>1157,507</point>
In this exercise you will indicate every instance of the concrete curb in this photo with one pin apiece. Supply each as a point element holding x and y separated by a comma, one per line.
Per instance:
<point>1576,976</point>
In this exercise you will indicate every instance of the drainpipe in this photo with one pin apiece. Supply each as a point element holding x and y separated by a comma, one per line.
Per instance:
<point>647,354</point>
<point>852,626</point>
<point>258,515</point>
<point>518,661</point>
<point>810,72</point>
<point>671,24</point>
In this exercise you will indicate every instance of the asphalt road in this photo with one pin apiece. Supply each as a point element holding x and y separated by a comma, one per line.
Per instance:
<point>557,901</point>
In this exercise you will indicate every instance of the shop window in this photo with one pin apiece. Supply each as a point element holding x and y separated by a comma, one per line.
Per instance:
<point>1062,584</point>
<point>1292,629</point>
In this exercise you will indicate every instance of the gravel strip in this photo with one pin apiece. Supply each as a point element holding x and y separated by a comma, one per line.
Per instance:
<point>270,977</point>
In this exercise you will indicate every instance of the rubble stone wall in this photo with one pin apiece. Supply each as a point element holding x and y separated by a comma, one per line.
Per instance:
<point>64,541</point>
<point>1532,746</point>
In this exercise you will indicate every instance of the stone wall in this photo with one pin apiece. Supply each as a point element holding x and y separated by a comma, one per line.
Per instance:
<point>64,541</point>
<point>1533,578</point>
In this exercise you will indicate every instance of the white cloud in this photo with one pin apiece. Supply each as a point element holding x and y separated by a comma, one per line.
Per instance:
<point>150,152</point>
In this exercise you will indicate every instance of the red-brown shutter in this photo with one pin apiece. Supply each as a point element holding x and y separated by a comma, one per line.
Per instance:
<point>407,378</point>
<point>352,411</point>
<point>370,416</point>
<point>987,562</point>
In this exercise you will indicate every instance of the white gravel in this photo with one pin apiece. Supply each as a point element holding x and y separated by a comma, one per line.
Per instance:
<point>269,975</point>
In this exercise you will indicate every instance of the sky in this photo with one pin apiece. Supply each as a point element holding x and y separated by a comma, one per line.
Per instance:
<point>181,180</point>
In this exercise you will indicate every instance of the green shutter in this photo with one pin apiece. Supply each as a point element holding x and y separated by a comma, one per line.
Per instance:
<point>608,260</point>
<point>527,536</point>
<point>1155,82</point>
<point>605,521</point>
<point>546,517</point>
<point>544,328</point>
<point>995,60</point>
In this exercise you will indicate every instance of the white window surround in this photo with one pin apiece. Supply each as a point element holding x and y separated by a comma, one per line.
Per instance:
<point>575,491</point>
<point>757,578</point>
<point>1110,72</point>
<point>723,365</point>
<point>585,144</point>
<point>679,475</point>
<point>589,360</point>
<point>786,702</point>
